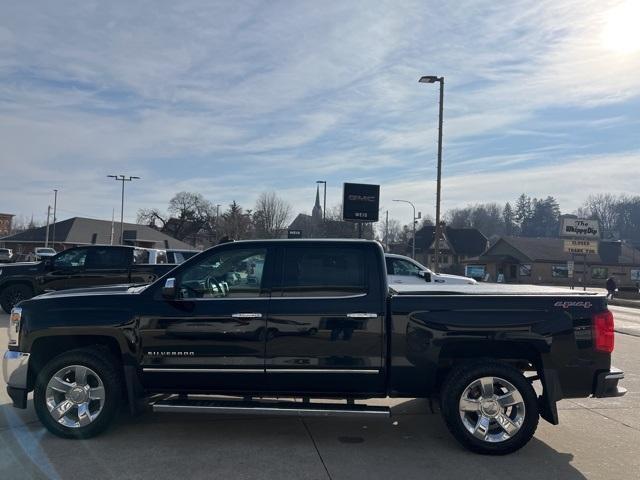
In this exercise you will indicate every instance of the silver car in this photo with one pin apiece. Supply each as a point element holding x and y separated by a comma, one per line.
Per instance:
<point>6,254</point>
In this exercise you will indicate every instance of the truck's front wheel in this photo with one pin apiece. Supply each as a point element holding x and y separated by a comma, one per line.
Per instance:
<point>489,407</point>
<point>78,393</point>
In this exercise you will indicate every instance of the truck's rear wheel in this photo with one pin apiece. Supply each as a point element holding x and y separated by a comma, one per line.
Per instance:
<point>489,407</point>
<point>78,393</point>
<point>14,294</point>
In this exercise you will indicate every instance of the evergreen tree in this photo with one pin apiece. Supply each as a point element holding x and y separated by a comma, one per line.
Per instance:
<point>508,218</point>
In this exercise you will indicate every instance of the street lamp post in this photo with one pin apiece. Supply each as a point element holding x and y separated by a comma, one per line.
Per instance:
<point>433,79</point>
<point>324,199</point>
<point>413,246</point>
<point>55,219</point>
<point>122,178</point>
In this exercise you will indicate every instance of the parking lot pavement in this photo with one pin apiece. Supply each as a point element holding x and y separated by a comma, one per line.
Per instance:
<point>626,320</point>
<point>596,439</point>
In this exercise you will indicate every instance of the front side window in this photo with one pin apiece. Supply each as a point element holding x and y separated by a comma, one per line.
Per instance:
<point>71,258</point>
<point>234,273</point>
<point>405,268</point>
<point>323,272</point>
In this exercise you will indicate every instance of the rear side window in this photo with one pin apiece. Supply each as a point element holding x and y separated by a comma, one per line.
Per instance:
<point>323,272</point>
<point>108,257</point>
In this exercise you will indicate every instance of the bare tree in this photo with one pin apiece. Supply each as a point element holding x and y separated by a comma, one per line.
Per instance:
<point>188,214</point>
<point>271,215</point>
<point>603,207</point>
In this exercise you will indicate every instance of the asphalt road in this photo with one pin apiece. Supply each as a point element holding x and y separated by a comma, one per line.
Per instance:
<point>626,320</point>
<point>596,439</point>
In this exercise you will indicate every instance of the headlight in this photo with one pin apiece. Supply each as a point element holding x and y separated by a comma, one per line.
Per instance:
<point>14,326</point>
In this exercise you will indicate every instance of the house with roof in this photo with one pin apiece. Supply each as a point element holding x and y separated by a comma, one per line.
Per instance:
<point>544,261</point>
<point>78,231</point>
<point>456,245</point>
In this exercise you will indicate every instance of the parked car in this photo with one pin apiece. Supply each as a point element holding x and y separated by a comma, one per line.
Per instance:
<point>405,270</point>
<point>317,321</point>
<point>43,252</point>
<point>6,254</point>
<point>40,253</point>
<point>76,267</point>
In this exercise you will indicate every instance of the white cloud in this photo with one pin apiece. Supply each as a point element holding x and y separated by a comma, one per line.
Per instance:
<point>231,98</point>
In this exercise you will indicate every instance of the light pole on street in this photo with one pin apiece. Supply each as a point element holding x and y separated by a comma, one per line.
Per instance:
<point>55,218</point>
<point>433,79</point>
<point>324,200</point>
<point>122,178</point>
<point>415,219</point>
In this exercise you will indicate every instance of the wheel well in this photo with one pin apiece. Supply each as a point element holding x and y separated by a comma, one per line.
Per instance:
<point>44,349</point>
<point>521,355</point>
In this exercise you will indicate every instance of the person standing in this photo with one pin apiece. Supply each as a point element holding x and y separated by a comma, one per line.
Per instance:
<point>611,287</point>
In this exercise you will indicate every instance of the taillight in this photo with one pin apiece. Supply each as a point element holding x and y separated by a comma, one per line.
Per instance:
<point>603,331</point>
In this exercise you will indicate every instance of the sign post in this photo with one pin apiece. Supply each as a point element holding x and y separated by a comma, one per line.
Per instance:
<point>581,239</point>
<point>360,203</point>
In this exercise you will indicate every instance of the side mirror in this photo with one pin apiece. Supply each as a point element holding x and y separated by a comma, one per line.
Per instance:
<point>425,275</point>
<point>169,288</point>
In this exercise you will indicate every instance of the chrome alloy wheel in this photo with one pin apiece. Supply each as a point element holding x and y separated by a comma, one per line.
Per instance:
<point>75,396</point>
<point>492,409</point>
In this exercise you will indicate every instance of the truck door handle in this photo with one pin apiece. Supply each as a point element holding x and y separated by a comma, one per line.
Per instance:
<point>247,315</point>
<point>362,315</point>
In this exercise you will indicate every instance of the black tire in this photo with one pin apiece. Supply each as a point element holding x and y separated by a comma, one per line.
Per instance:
<point>456,385</point>
<point>13,294</point>
<point>107,369</point>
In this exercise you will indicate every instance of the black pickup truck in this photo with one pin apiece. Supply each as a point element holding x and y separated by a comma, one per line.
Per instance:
<point>258,321</point>
<point>88,266</point>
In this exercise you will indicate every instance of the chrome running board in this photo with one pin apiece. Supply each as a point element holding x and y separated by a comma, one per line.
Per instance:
<point>267,407</point>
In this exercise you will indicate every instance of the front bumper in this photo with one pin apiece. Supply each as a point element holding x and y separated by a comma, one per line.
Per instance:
<point>607,384</point>
<point>15,367</point>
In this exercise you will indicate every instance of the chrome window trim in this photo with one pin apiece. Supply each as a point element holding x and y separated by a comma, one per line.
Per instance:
<point>359,295</point>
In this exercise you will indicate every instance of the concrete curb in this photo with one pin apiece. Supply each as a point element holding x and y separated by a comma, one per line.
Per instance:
<point>622,302</point>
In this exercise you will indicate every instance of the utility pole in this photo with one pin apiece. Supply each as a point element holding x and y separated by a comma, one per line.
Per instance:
<point>122,178</point>
<point>46,238</point>
<point>55,218</point>
<point>433,79</point>
<point>386,230</point>
<point>113,214</point>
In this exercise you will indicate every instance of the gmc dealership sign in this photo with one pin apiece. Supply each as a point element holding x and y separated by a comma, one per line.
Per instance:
<point>360,202</point>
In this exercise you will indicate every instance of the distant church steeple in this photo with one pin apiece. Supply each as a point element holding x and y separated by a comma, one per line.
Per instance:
<point>316,213</point>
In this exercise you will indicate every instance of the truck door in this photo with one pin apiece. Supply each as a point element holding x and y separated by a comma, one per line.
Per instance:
<point>107,265</point>
<point>65,270</point>
<point>211,336</point>
<point>325,324</point>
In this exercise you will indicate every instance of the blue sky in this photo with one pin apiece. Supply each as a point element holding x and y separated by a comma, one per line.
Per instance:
<point>233,98</point>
